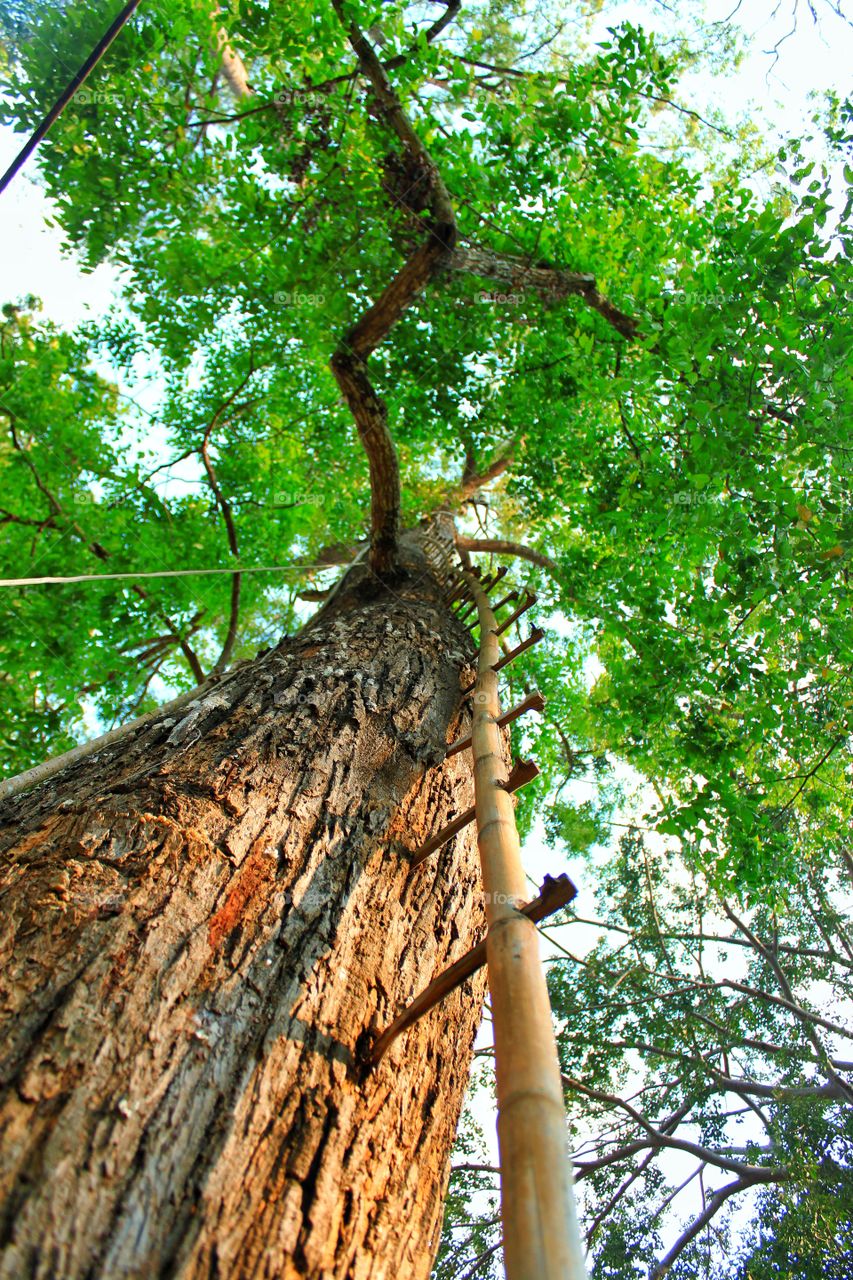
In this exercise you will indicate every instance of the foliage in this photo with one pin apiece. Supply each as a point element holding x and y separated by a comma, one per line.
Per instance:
<point>706,1062</point>
<point>694,1027</point>
<point>687,492</point>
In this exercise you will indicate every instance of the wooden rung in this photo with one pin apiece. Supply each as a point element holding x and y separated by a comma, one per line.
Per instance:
<point>445,834</point>
<point>496,577</point>
<point>555,893</point>
<point>527,602</point>
<point>512,595</point>
<point>522,772</point>
<point>535,636</point>
<point>460,591</point>
<point>533,702</point>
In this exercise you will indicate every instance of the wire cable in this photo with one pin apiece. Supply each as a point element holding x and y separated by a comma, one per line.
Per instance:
<point>159,573</point>
<point>68,93</point>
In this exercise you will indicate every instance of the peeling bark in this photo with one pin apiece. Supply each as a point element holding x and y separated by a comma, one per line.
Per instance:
<point>204,927</point>
<point>551,283</point>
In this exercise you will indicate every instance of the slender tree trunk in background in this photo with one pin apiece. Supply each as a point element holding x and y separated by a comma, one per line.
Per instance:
<point>204,926</point>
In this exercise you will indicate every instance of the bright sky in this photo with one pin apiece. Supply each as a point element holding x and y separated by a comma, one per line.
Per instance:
<point>816,57</point>
<point>775,89</point>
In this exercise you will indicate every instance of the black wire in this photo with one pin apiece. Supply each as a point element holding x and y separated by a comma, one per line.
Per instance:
<point>68,93</point>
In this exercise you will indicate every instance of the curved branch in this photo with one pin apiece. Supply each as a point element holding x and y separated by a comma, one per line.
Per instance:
<point>371,420</point>
<point>804,1017</point>
<point>349,362</point>
<point>657,1138</point>
<point>715,1203</point>
<point>182,641</point>
<point>787,948</point>
<point>792,1007</point>
<point>474,480</point>
<point>551,283</point>
<point>483,1257</point>
<point>233,68</point>
<point>679,982</point>
<point>323,86</point>
<point>227,515</point>
<point>583,1168</point>
<point>669,1126</point>
<point>502,547</point>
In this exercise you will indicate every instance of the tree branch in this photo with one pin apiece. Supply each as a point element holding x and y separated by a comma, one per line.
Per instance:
<point>551,283</point>
<point>349,362</point>
<point>805,1017</point>
<point>474,480</point>
<point>729,984</point>
<point>233,67</point>
<point>787,948</point>
<point>347,77</point>
<point>847,859</point>
<point>502,547</point>
<point>668,1126</point>
<point>715,1203</point>
<point>657,1138</point>
<point>792,1007</point>
<point>182,641</point>
<point>484,1257</point>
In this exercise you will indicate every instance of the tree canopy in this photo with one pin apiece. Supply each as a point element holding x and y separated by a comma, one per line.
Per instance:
<point>378,260</point>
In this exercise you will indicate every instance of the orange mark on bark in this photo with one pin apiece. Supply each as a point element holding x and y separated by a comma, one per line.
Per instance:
<point>251,878</point>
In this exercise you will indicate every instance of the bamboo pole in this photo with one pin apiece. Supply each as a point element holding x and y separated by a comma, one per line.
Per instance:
<point>535,636</point>
<point>540,1231</point>
<point>524,771</point>
<point>553,895</point>
<point>533,702</point>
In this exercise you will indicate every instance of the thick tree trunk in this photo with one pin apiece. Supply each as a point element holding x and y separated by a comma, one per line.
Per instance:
<point>203,928</point>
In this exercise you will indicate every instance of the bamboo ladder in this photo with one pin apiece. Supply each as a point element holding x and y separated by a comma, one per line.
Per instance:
<point>541,1239</point>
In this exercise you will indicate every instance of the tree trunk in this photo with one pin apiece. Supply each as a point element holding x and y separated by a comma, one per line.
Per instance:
<point>203,928</point>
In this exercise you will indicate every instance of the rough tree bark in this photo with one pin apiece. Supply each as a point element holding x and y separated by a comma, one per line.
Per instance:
<point>203,928</point>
